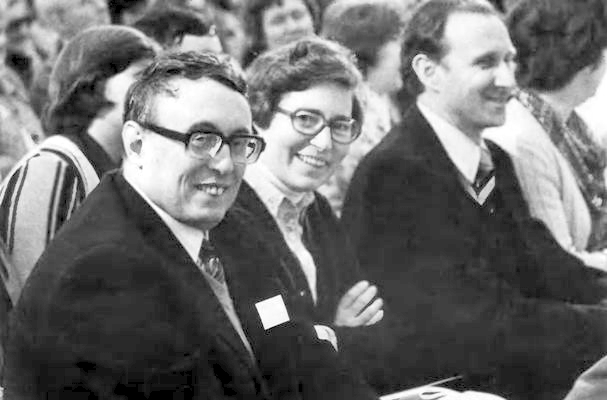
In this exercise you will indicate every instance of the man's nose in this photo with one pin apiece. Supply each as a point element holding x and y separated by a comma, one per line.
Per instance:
<point>323,139</point>
<point>504,75</point>
<point>222,162</point>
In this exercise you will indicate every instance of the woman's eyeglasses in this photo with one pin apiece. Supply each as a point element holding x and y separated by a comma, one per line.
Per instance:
<point>343,130</point>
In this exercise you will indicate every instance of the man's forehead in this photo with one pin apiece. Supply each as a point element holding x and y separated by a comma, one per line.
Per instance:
<point>476,33</point>
<point>183,87</point>
<point>203,99</point>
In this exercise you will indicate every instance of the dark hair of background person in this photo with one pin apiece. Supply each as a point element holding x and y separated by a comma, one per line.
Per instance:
<point>169,24</point>
<point>424,34</point>
<point>77,82</point>
<point>155,79</point>
<point>253,22</point>
<point>556,39</point>
<point>119,7</point>
<point>363,28</point>
<point>299,66</point>
<point>499,5</point>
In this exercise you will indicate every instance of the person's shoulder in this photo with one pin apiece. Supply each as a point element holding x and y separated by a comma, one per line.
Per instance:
<point>394,156</point>
<point>102,221</point>
<point>401,142</point>
<point>45,162</point>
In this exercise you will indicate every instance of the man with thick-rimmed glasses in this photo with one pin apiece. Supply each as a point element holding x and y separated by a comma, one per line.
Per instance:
<point>131,299</point>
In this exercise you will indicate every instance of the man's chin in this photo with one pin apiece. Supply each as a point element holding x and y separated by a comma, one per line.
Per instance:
<point>207,222</point>
<point>497,119</point>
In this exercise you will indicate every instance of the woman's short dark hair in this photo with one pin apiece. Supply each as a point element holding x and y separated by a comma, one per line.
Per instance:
<point>253,21</point>
<point>363,27</point>
<point>555,39</point>
<point>299,66</point>
<point>425,32</point>
<point>77,82</point>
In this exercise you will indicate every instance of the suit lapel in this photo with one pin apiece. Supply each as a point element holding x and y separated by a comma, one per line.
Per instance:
<point>158,235</point>
<point>432,156</point>
<point>507,183</point>
<point>288,269</point>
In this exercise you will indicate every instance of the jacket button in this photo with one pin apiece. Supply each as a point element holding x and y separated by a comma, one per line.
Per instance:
<point>302,293</point>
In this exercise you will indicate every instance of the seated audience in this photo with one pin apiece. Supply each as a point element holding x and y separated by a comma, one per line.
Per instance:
<point>372,31</point>
<point>87,89</point>
<point>131,301</point>
<point>473,285</point>
<point>179,29</point>
<point>558,162</point>
<point>272,23</point>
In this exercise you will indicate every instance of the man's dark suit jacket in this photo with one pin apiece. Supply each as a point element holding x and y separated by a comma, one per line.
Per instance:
<point>116,308</point>
<point>481,291</point>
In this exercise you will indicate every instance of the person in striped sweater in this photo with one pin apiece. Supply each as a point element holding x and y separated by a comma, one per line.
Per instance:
<point>83,121</point>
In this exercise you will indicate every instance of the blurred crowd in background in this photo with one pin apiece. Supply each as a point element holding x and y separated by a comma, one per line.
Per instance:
<point>33,32</point>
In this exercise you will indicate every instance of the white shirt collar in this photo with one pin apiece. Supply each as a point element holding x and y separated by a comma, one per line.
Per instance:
<point>463,151</point>
<point>189,237</point>
<point>271,190</point>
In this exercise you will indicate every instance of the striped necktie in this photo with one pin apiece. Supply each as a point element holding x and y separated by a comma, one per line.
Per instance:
<point>209,261</point>
<point>484,182</point>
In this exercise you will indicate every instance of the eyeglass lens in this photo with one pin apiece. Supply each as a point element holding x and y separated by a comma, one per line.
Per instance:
<point>310,123</point>
<point>242,149</point>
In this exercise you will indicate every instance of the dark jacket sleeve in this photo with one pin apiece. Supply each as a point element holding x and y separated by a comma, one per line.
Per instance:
<point>296,358</point>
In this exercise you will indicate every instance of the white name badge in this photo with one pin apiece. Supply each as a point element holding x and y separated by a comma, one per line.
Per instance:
<point>272,312</point>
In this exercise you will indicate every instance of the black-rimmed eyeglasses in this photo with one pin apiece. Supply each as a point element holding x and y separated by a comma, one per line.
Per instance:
<point>343,130</point>
<point>244,149</point>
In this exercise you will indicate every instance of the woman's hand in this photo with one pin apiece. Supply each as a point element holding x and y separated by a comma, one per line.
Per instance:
<point>354,309</point>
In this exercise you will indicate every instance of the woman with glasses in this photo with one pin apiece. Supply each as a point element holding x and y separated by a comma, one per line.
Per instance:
<point>305,106</point>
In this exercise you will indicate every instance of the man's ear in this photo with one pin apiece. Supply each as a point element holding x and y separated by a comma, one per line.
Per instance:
<point>132,139</point>
<point>427,72</point>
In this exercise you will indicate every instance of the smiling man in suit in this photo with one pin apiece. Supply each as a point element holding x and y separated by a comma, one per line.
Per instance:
<point>131,300</point>
<point>472,284</point>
